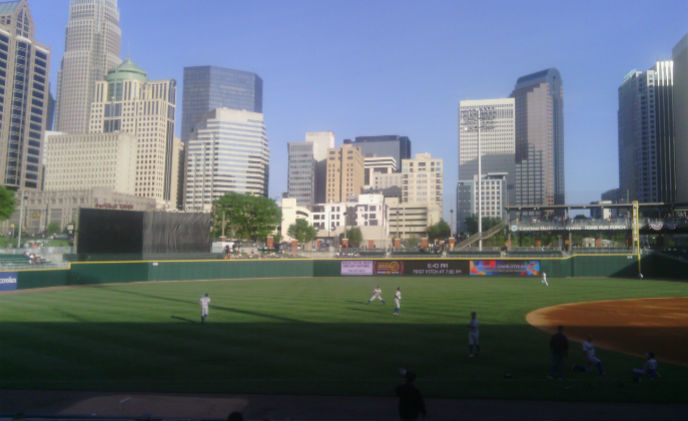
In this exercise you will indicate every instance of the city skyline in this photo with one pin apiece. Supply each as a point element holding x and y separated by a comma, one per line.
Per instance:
<point>316,80</point>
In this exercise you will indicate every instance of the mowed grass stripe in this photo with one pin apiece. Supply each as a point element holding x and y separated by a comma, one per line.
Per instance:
<point>312,336</point>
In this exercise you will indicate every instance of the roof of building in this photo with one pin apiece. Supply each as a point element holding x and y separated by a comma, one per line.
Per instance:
<point>127,71</point>
<point>541,75</point>
<point>8,7</point>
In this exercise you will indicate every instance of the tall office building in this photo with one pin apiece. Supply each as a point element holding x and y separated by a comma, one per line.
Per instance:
<point>228,153</point>
<point>127,101</point>
<point>398,147</point>
<point>497,138</point>
<point>24,96</point>
<point>307,172</point>
<point>210,87</point>
<point>645,135</point>
<point>422,180</point>
<point>345,171</point>
<point>92,48</point>
<point>539,111</point>
<point>322,142</point>
<point>680,122</point>
<point>301,173</point>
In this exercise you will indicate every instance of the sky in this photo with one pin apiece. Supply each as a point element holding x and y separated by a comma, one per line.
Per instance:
<point>361,68</point>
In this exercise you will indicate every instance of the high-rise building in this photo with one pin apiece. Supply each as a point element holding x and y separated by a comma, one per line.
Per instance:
<point>497,138</point>
<point>422,180</point>
<point>209,87</point>
<point>228,153</point>
<point>307,173</point>
<point>92,48</point>
<point>87,160</point>
<point>129,102</point>
<point>24,97</point>
<point>322,142</point>
<point>539,111</point>
<point>645,134</point>
<point>493,198</point>
<point>680,122</point>
<point>301,173</point>
<point>375,166</point>
<point>398,147</point>
<point>345,171</point>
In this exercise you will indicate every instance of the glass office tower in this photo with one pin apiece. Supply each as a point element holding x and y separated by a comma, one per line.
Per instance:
<point>209,87</point>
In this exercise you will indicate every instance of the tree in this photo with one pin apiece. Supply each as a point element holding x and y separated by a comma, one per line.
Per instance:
<point>439,231</point>
<point>245,217</point>
<point>53,228</point>
<point>7,203</point>
<point>355,237</point>
<point>302,232</point>
<point>472,223</point>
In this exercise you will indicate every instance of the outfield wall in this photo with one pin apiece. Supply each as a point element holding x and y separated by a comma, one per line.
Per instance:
<point>89,273</point>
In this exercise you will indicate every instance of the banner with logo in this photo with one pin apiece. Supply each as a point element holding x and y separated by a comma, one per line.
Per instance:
<point>505,267</point>
<point>436,267</point>
<point>389,267</point>
<point>8,281</point>
<point>356,267</point>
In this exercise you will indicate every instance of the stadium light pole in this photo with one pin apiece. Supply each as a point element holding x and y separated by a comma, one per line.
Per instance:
<point>476,119</point>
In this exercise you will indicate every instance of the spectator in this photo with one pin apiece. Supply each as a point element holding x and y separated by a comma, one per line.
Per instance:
<point>411,402</point>
<point>649,368</point>
<point>559,347</point>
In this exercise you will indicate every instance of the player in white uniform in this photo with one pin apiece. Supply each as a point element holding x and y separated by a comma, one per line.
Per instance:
<point>473,335</point>
<point>397,301</point>
<point>205,303</point>
<point>544,279</point>
<point>590,357</point>
<point>377,295</point>
<point>649,368</point>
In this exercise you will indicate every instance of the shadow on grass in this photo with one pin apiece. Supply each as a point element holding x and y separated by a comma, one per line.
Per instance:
<point>316,358</point>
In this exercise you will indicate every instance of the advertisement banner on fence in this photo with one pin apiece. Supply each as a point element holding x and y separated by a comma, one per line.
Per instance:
<point>436,267</point>
<point>8,281</point>
<point>389,267</point>
<point>505,267</point>
<point>357,267</point>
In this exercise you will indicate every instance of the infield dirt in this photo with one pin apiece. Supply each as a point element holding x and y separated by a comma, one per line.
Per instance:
<point>633,326</point>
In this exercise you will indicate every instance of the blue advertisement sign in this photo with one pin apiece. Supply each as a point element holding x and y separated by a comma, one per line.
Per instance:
<point>505,267</point>
<point>8,281</point>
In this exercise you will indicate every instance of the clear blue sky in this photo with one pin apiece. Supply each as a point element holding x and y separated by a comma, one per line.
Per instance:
<point>401,67</point>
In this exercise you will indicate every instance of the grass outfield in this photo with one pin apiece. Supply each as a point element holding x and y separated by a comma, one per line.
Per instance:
<point>315,336</point>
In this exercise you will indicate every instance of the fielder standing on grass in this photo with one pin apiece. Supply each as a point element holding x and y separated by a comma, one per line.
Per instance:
<point>377,295</point>
<point>544,279</point>
<point>473,335</point>
<point>205,303</point>
<point>397,301</point>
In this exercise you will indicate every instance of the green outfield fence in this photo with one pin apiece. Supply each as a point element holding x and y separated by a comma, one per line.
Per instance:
<point>88,273</point>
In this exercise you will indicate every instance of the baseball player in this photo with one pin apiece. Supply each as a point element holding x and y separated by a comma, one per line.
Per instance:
<point>590,358</point>
<point>397,301</point>
<point>649,368</point>
<point>473,335</point>
<point>205,303</point>
<point>377,295</point>
<point>544,279</point>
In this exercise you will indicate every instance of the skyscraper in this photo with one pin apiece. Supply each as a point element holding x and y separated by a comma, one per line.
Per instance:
<point>645,135</point>
<point>422,180</point>
<point>345,172</point>
<point>539,110</point>
<point>210,87</point>
<point>92,48</point>
<point>680,123</point>
<point>398,147</point>
<point>228,152</point>
<point>24,96</point>
<point>301,173</point>
<point>127,101</point>
<point>497,139</point>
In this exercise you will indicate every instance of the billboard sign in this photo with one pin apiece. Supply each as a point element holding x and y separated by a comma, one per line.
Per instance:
<point>389,267</point>
<point>8,281</point>
<point>356,267</point>
<point>436,267</point>
<point>505,267</point>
